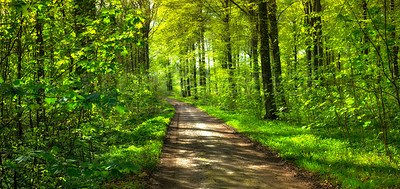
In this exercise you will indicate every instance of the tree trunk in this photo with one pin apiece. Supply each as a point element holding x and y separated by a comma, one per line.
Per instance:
<point>365,39</point>
<point>254,50</point>
<point>169,82</point>
<point>182,78</point>
<point>395,47</point>
<point>276,52</point>
<point>187,75</point>
<point>228,50</point>
<point>309,23</point>
<point>194,72</point>
<point>317,36</point>
<point>227,37</point>
<point>270,109</point>
<point>40,70</point>
<point>19,76</point>
<point>202,60</point>
<point>295,61</point>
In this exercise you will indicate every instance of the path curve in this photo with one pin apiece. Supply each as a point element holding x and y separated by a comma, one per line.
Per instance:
<point>201,152</point>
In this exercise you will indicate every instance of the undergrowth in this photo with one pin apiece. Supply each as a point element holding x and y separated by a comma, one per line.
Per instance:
<point>125,152</point>
<point>136,151</point>
<point>333,159</point>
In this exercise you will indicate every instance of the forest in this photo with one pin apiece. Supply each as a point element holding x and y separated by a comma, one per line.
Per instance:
<point>83,85</point>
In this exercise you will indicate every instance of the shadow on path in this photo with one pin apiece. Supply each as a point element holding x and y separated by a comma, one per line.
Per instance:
<point>200,152</point>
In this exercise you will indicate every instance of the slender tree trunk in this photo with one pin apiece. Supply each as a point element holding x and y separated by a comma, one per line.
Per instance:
<point>276,52</point>
<point>194,72</point>
<point>19,76</point>
<point>169,82</point>
<point>295,47</point>
<point>317,38</point>
<point>227,39</point>
<point>309,23</point>
<point>209,75</point>
<point>270,108</point>
<point>254,50</point>
<point>187,75</point>
<point>182,76</point>
<point>146,51</point>
<point>395,47</point>
<point>365,39</point>
<point>202,60</point>
<point>40,69</point>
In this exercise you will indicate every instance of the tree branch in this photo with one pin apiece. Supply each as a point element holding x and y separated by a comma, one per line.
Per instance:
<point>238,6</point>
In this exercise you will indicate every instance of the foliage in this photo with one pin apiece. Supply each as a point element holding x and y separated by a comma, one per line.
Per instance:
<point>72,96</point>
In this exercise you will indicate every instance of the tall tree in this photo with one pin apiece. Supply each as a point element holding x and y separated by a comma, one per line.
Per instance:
<point>395,47</point>
<point>270,107</point>
<point>202,53</point>
<point>194,70</point>
<point>308,22</point>
<point>318,52</point>
<point>254,46</point>
<point>276,52</point>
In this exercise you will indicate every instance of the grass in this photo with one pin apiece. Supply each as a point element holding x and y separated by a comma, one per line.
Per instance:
<point>137,151</point>
<point>334,160</point>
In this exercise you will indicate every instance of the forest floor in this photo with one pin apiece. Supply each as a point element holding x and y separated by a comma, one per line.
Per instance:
<point>201,151</point>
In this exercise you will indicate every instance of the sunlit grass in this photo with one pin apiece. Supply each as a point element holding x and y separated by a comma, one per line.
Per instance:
<point>136,152</point>
<point>332,159</point>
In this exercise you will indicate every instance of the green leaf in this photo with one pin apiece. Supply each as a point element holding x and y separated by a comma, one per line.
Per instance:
<point>73,172</point>
<point>22,159</point>
<point>50,100</point>
<point>55,149</point>
<point>121,109</point>
<point>80,97</point>
<point>116,173</point>
<point>10,165</point>
<point>88,172</point>
<point>20,6</point>
<point>93,97</point>
<point>17,83</point>
<point>49,157</point>
<point>124,53</point>
<point>56,168</point>
<point>1,80</point>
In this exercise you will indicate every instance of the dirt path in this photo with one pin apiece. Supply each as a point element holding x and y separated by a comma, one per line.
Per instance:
<point>201,152</point>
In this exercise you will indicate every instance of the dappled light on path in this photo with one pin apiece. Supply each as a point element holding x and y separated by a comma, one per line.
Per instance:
<point>201,152</point>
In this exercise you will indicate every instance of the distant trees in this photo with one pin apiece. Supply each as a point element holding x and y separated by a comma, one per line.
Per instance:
<point>220,14</point>
<point>327,64</point>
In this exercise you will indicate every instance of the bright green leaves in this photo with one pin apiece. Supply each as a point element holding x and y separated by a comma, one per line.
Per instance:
<point>37,154</point>
<point>20,6</point>
<point>50,100</point>
<point>18,83</point>
<point>124,52</point>
<point>58,106</point>
<point>106,20</point>
<point>121,109</point>
<point>118,168</point>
